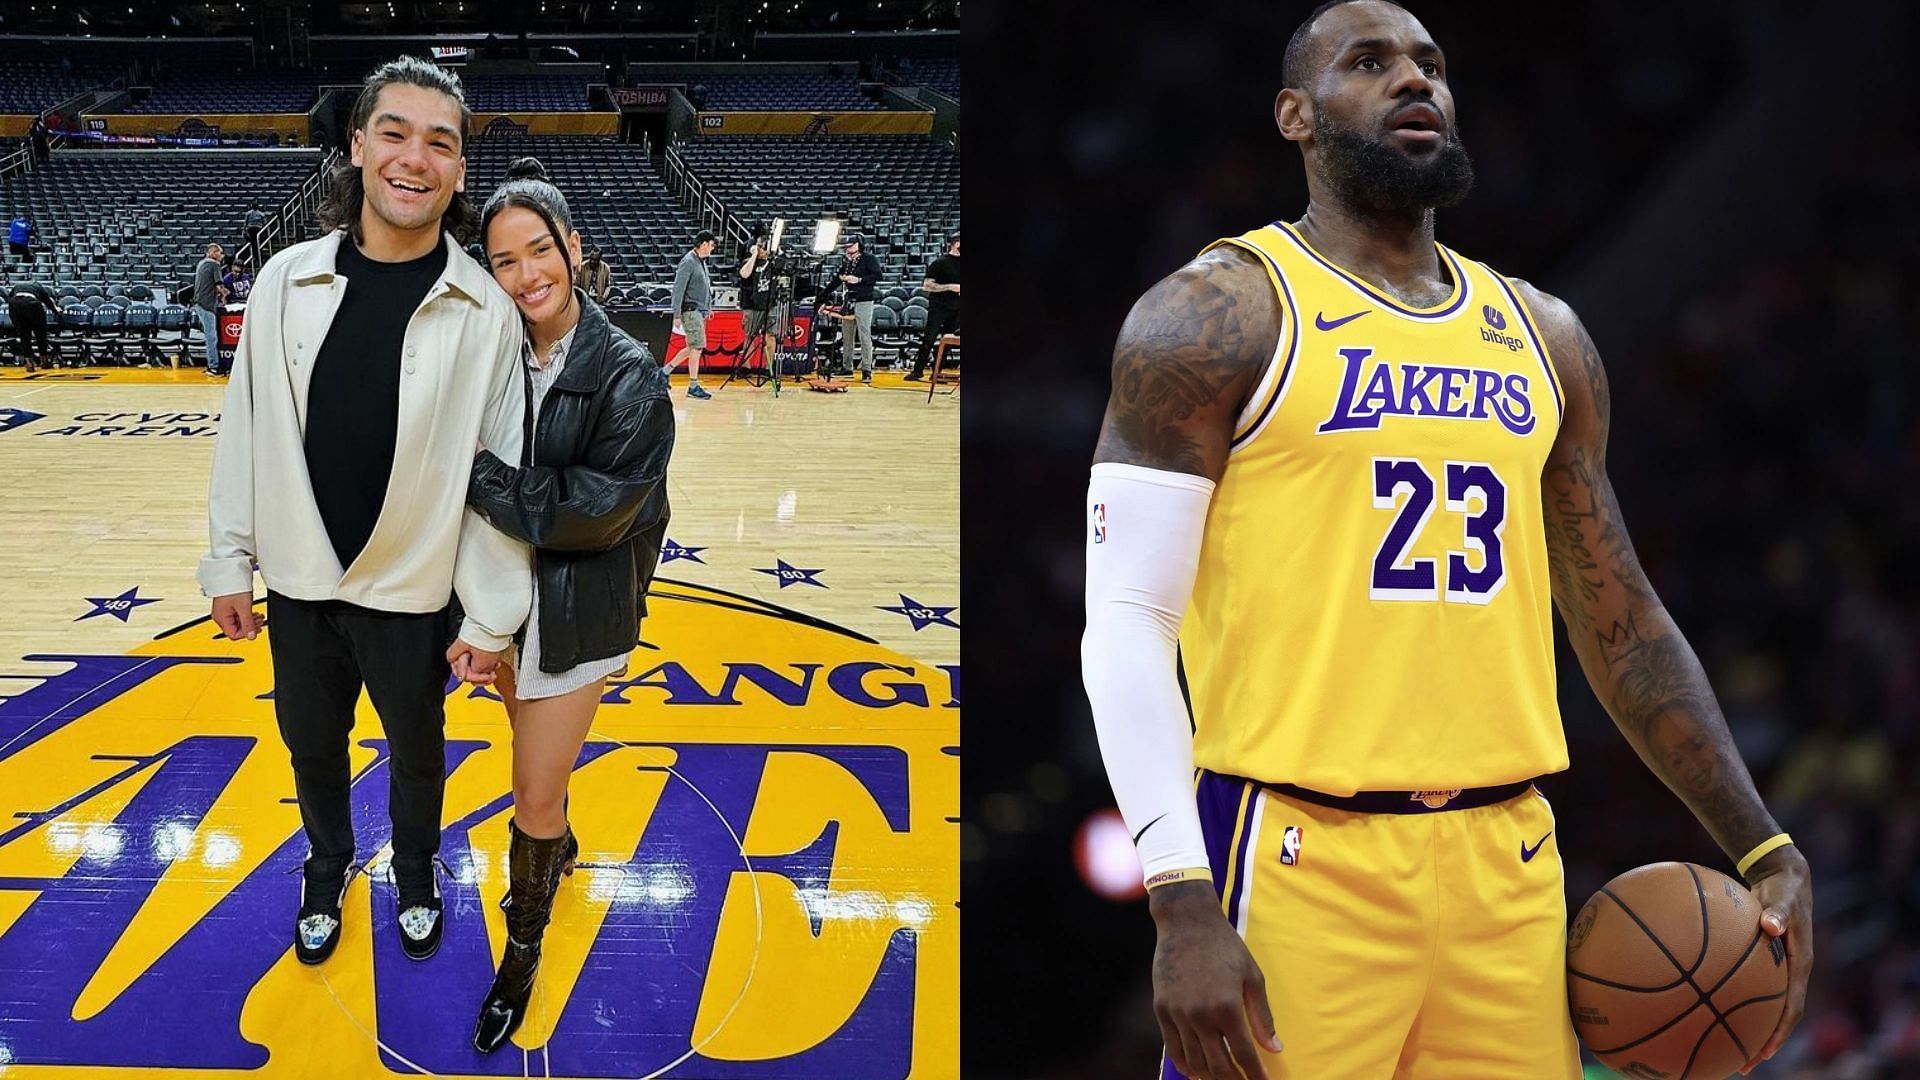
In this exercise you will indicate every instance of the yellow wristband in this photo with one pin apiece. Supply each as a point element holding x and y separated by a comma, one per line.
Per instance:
<point>1760,850</point>
<point>1169,877</point>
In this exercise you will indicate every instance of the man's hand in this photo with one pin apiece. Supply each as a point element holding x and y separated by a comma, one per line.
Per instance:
<point>472,664</point>
<point>1784,886</point>
<point>1208,994</point>
<point>234,615</point>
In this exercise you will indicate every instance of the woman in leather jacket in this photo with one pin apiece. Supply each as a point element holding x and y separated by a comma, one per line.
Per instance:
<point>591,500</point>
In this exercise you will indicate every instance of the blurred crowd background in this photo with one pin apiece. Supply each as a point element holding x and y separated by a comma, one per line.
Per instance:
<point>1724,191</point>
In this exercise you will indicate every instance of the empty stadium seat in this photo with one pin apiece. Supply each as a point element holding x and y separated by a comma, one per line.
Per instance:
<point>186,200</point>
<point>781,92</point>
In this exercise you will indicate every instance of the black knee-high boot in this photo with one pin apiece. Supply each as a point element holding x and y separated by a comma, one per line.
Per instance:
<point>533,868</point>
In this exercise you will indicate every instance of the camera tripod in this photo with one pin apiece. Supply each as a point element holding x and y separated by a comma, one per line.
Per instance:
<point>769,370</point>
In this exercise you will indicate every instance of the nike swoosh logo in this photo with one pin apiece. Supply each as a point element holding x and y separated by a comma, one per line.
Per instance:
<point>1527,853</point>
<point>1144,828</point>
<point>1321,322</point>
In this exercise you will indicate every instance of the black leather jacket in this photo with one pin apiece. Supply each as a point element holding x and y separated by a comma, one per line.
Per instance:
<point>590,494</point>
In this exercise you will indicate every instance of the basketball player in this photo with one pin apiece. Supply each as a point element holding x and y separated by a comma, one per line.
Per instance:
<point>1342,471</point>
<point>372,362</point>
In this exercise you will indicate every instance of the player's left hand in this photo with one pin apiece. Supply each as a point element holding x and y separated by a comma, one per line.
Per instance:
<point>1783,884</point>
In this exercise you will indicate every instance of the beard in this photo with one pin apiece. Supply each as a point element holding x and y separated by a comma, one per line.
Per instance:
<point>1367,172</point>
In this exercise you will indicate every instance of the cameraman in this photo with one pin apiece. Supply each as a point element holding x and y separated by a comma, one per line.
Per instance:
<point>942,287</point>
<point>756,303</point>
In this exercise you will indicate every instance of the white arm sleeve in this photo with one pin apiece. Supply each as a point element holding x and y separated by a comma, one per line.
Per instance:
<point>1143,550</point>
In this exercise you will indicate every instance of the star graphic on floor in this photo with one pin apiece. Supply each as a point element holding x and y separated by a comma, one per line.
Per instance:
<point>791,575</point>
<point>119,606</point>
<point>671,551</point>
<point>923,615</point>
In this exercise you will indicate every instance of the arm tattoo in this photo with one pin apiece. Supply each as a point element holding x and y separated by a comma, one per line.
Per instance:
<point>1570,513</point>
<point>1192,341</point>
<point>1640,666</point>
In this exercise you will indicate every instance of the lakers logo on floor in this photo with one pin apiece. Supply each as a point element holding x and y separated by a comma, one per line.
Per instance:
<point>767,889</point>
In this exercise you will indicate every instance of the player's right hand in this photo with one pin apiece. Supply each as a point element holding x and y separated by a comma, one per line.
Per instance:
<point>1208,994</point>
<point>234,615</point>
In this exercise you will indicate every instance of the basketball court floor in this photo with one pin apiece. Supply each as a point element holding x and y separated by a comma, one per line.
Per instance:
<point>769,882</point>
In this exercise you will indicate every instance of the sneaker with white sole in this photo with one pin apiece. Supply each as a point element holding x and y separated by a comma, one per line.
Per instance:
<point>419,906</point>
<point>316,929</point>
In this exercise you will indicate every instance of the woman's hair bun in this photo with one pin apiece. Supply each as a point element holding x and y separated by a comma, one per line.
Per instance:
<point>527,168</point>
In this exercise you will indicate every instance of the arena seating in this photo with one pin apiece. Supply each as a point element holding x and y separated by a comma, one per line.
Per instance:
<point>937,74</point>
<point>782,92</point>
<point>526,93</point>
<point>901,193</point>
<point>618,201</point>
<point>223,89</point>
<point>126,232</point>
<point>28,86</point>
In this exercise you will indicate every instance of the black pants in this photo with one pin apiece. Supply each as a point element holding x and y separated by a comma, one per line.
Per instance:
<point>323,652</point>
<point>939,321</point>
<point>30,326</point>
<point>21,250</point>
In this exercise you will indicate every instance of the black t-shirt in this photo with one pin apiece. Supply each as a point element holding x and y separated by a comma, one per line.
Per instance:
<point>353,401</point>
<point>756,292</point>
<point>944,270</point>
<point>867,269</point>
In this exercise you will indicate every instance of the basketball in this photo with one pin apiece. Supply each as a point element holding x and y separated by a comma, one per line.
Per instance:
<point>1670,976</point>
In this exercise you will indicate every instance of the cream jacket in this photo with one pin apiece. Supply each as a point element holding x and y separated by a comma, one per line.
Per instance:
<point>461,385</point>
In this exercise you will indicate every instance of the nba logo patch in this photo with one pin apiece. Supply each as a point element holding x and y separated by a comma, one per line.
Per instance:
<point>1099,523</point>
<point>1290,846</point>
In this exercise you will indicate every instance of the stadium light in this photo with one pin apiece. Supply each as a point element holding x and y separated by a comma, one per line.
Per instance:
<point>826,234</point>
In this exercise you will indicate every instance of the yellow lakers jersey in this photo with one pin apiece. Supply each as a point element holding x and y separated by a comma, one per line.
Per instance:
<point>1372,610</point>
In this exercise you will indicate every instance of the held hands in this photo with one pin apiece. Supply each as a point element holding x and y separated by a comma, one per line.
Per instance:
<point>1208,994</point>
<point>1784,886</point>
<point>472,664</point>
<point>234,615</point>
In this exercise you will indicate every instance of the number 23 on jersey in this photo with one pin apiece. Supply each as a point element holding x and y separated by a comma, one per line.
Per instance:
<point>1473,575</point>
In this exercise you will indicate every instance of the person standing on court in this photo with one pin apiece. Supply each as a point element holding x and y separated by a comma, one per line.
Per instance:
<point>374,361</point>
<point>692,302</point>
<point>1404,453</point>
<point>206,304</point>
<point>758,327</point>
<point>861,272</point>
<point>942,286</point>
<point>590,495</point>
